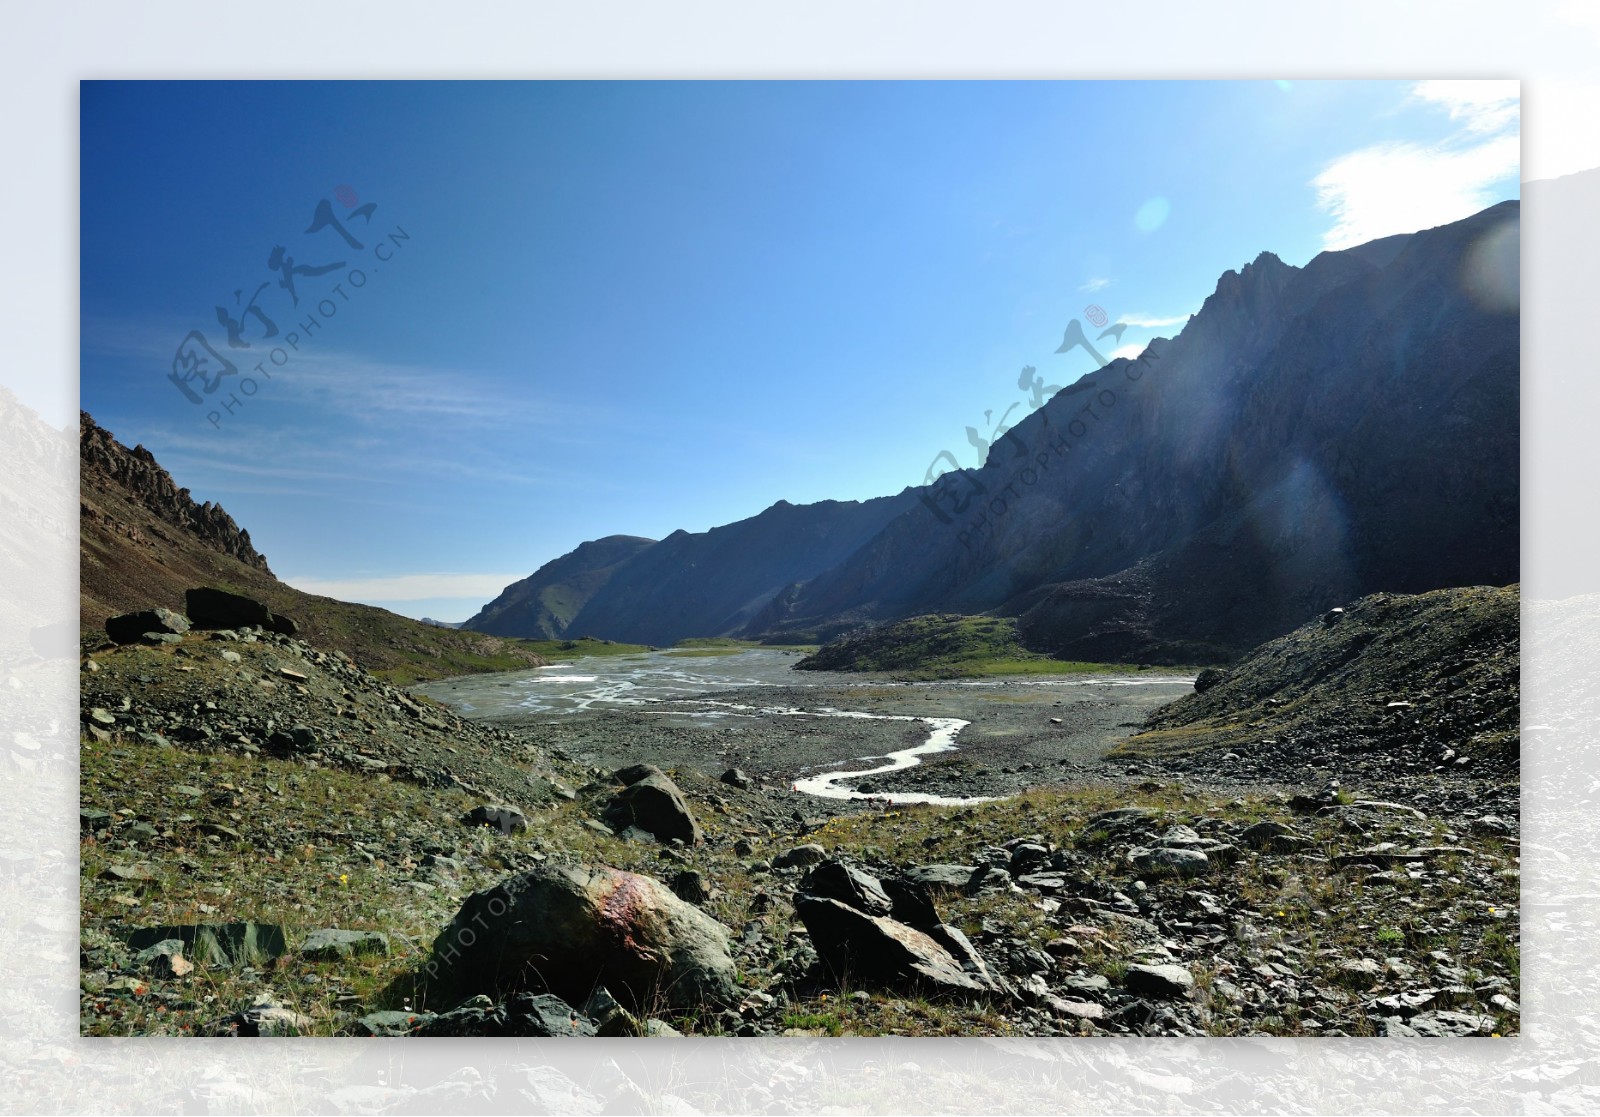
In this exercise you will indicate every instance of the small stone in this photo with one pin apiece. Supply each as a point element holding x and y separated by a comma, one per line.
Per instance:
<point>1159,981</point>
<point>733,777</point>
<point>331,944</point>
<point>800,857</point>
<point>507,820</point>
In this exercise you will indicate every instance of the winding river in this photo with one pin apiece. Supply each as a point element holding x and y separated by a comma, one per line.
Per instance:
<point>597,683</point>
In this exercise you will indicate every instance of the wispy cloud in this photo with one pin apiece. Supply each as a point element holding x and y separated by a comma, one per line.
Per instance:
<point>1151,321</point>
<point>408,587</point>
<point>1400,187</point>
<point>1098,283</point>
<point>1128,351</point>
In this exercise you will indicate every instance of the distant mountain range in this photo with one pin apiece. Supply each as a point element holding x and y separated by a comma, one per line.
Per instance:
<point>1311,436</point>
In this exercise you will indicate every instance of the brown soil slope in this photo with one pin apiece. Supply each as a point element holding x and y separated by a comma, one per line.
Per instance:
<point>143,541</point>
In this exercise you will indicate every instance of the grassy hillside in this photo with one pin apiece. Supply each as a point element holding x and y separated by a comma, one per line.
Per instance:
<point>944,646</point>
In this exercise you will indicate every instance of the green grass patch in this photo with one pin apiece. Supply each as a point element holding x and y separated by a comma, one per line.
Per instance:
<point>947,646</point>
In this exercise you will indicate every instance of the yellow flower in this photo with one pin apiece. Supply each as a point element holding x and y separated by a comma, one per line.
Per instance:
<point>344,878</point>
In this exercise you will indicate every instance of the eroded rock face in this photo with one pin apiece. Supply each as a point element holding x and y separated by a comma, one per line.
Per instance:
<point>136,472</point>
<point>569,930</point>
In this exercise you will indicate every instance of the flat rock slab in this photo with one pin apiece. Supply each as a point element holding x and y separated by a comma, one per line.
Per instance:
<point>949,878</point>
<point>1162,861</point>
<point>330,944</point>
<point>1159,981</point>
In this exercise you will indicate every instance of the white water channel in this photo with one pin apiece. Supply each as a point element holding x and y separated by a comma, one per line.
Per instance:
<point>600,682</point>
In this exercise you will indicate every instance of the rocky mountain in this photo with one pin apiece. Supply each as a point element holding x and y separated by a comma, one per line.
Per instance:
<point>543,604</point>
<point>143,541</point>
<point>1312,435</point>
<point>710,583</point>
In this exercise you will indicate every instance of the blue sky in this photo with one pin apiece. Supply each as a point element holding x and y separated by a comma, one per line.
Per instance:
<point>582,309</point>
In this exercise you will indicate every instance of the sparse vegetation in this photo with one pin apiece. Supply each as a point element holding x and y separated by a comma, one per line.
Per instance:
<point>945,646</point>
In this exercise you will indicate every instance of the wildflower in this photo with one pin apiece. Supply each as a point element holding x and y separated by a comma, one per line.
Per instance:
<point>344,878</point>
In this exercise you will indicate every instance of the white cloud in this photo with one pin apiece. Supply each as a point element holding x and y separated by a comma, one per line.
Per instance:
<point>1150,321</point>
<point>1482,106</point>
<point>1402,186</point>
<point>1098,283</point>
<point>408,587</point>
<point>1128,351</point>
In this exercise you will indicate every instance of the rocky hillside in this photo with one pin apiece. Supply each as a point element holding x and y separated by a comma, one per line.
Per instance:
<point>1312,435</point>
<point>108,464</point>
<point>1391,684</point>
<point>144,541</point>
<point>543,605</point>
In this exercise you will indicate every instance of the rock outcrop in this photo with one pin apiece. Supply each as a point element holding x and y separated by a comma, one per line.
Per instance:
<point>567,931</point>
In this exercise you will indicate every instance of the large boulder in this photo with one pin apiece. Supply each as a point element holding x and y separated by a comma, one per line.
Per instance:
<point>834,880</point>
<point>213,608</point>
<point>654,804</point>
<point>567,930</point>
<point>874,949</point>
<point>888,933</point>
<point>130,627</point>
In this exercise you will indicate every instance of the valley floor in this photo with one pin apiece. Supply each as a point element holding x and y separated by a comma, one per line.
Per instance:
<point>1387,906</point>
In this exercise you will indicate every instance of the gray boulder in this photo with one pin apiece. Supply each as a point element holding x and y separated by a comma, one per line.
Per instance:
<point>633,773</point>
<point>570,930</point>
<point>1159,981</point>
<point>875,949</point>
<point>654,804</point>
<point>331,944</point>
<point>947,878</point>
<point>507,820</point>
<point>1163,861</point>
<point>835,880</point>
<point>129,628</point>
<point>213,608</point>
<point>800,857</point>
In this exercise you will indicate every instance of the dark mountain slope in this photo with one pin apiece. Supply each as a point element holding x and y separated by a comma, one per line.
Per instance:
<point>542,605</point>
<point>1314,434</point>
<point>713,583</point>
